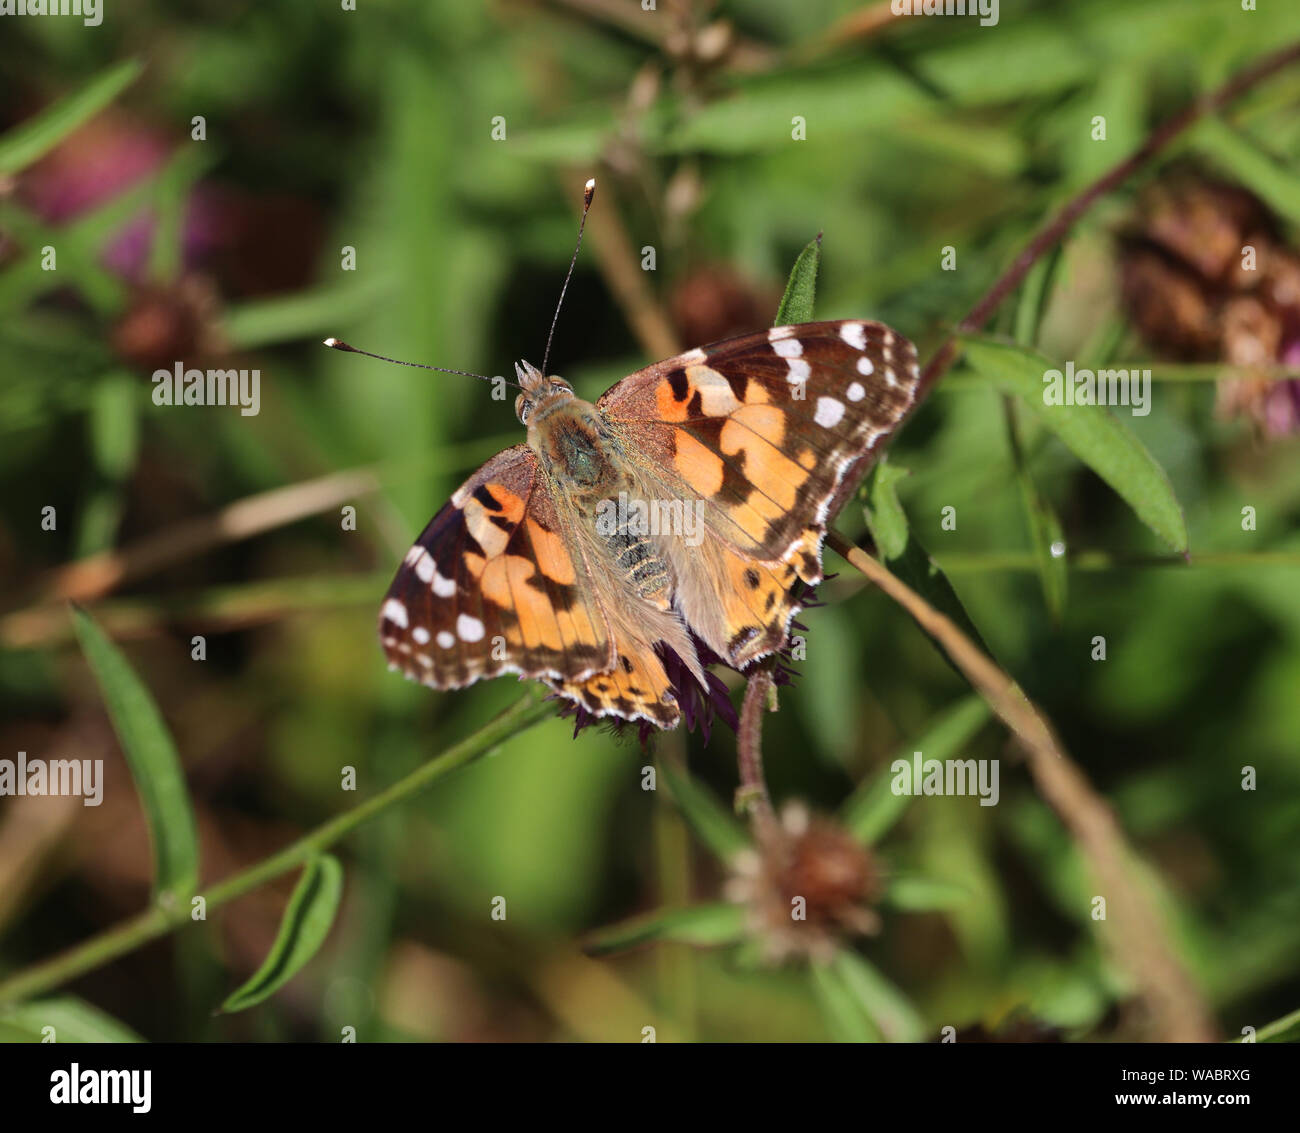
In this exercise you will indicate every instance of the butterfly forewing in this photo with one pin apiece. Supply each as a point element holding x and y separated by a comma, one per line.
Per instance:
<point>767,428</point>
<point>490,587</point>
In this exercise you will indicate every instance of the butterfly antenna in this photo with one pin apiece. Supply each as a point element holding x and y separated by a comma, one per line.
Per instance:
<point>588,191</point>
<point>339,344</point>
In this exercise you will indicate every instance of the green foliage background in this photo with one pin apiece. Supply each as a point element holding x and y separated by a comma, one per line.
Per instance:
<point>372,129</point>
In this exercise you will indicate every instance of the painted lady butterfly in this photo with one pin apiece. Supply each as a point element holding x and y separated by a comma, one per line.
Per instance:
<point>574,558</point>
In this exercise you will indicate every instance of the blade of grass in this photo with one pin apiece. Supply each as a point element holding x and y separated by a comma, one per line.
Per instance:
<point>840,1007</point>
<point>718,923</point>
<point>23,144</point>
<point>886,1006</point>
<point>72,1021</point>
<point>873,808</point>
<point>713,825</point>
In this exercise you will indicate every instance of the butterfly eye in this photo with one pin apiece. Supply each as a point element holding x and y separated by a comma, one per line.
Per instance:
<point>523,407</point>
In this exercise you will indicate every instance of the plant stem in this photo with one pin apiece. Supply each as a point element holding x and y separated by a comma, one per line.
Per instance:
<point>752,795</point>
<point>1137,932</point>
<point>158,921</point>
<point>1055,230</point>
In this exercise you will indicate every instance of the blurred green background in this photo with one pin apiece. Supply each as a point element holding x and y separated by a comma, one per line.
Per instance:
<point>373,130</point>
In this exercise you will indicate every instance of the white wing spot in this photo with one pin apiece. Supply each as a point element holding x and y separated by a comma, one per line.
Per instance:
<point>855,334</point>
<point>424,660</point>
<point>420,635</point>
<point>443,587</point>
<point>424,567</point>
<point>413,555</point>
<point>445,640</point>
<point>829,412</point>
<point>788,347</point>
<point>857,391</point>
<point>395,612</point>
<point>866,367</point>
<point>775,334</point>
<point>799,371</point>
<point>890,376</point>
<point>469,629</point>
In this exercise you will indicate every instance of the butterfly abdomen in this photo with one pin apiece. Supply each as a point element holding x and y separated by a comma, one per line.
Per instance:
<point>638,561</point>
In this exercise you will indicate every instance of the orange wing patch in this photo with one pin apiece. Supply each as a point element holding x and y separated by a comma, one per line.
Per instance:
<point>636,688</point>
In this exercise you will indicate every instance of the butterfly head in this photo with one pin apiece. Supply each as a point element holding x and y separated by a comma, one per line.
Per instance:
<point>540,392</point>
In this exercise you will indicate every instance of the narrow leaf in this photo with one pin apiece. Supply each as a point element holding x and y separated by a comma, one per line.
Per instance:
<point>37,136</point>
<point>1046,534</point>
<point>152,757</point>
<point>306,923</point>
<point>719,923</point>
<point>1093,433</point>
<point>873,808</point>
<point>714,826</point>
<point>840,1006</point>
<point>903,553</point>
<point>888,1008</point>
<point>72,1021</point>
<point>801,288</point>
<point>1283,1030</point>
<point>910,894</point>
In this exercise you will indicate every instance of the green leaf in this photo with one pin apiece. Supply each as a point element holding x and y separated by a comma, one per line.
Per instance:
<point>840,1006</point>
<point>1093,433</point>
<point>1046,534</point>
<point>903,553</point>
<point>73,1020</point>
<point>307,314</point>
<point>801,288</point>
<point>37,136</point>
<point>714,826</point>
<point>911,894</point>
<point>1034,294</point>
<point>1247,164</point>
<point>887,1007</point>
<point>115,423</point>
<point>873,808</point>
<point>152,758</point>
<point>1283,1030</point>
<point>719,923</point>
<point>306,923</point>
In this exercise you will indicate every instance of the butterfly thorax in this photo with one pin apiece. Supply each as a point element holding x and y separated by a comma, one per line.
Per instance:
<point>584,461</point>
<point>574,447</point>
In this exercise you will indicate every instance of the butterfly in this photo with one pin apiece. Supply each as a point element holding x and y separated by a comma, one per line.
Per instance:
<point>688,502</point>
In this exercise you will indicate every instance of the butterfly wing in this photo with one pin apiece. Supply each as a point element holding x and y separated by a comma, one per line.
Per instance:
<point>491,587</point>
<point>771,431</point>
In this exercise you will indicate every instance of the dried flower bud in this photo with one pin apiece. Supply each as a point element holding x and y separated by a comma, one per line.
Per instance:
<point>807,884</point>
